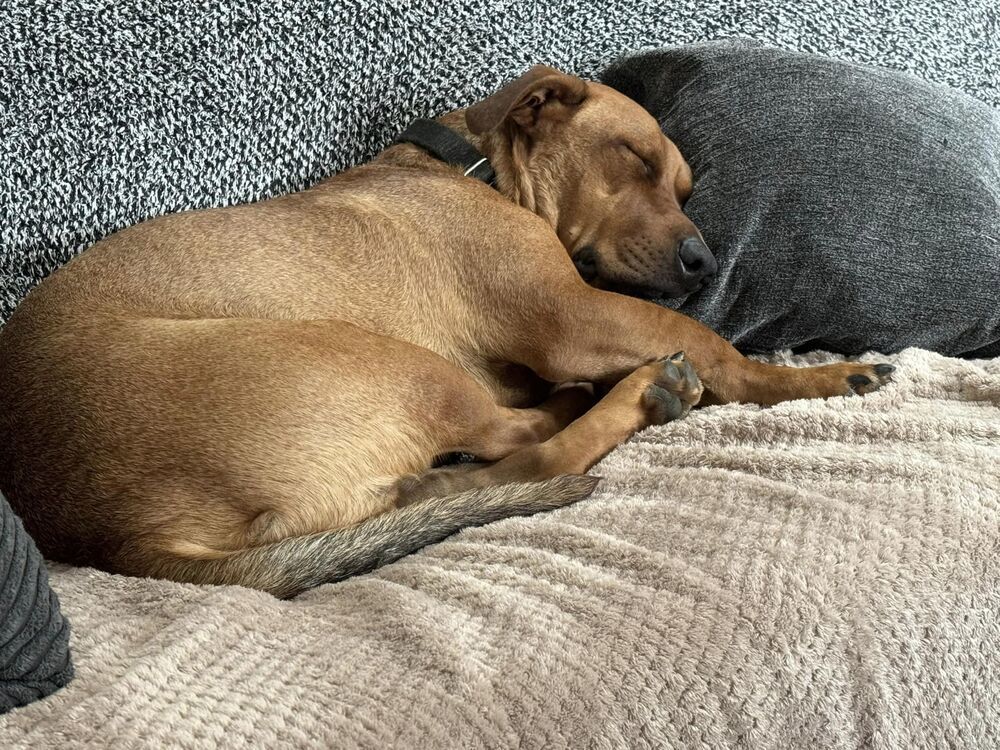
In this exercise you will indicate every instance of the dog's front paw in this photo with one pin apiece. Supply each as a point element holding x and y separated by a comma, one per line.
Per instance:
<point>845,379</point>
<point>871,378</point>
<point>672,390</point>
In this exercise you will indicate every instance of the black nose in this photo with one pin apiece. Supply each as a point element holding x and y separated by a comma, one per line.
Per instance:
<point>695,262</point>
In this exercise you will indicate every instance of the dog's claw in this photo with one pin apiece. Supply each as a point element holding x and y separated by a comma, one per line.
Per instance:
<point>678,357</point>
<point>883,370</point>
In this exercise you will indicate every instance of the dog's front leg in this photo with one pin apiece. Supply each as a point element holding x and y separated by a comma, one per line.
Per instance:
<point>602,336</point>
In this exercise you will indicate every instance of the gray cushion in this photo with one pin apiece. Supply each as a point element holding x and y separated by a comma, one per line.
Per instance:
<point>34,636</point>
<point>850,207</point>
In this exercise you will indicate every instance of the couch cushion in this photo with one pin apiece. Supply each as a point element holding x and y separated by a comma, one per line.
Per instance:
<point>850,208</point>
<point>34,636</point>
<point>110,113</point>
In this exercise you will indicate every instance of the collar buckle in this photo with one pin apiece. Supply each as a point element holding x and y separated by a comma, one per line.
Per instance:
<point>446,145</point>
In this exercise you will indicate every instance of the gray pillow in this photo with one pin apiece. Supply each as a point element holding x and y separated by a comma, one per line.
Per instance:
<point>850,208</point>
<point>34,636</point>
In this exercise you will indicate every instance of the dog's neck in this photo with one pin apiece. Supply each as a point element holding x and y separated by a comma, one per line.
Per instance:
<point>507,154</point>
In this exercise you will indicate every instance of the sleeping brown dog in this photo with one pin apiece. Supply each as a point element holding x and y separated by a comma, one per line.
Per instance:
<point>256,395</point>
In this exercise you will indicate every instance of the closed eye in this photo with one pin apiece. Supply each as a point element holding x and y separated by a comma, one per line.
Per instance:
<point>647,165</point>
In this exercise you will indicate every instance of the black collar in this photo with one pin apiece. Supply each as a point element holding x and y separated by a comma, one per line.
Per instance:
<point>445,144</point>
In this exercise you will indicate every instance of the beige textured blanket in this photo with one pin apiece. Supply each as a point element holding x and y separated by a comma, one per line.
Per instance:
<point>818,574</point>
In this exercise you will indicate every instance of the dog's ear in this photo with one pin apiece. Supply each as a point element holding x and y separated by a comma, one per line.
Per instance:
<point>526,100</point>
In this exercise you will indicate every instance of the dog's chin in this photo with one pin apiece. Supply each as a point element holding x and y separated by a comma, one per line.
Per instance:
<point>645,291</point>
<point>589,265</point>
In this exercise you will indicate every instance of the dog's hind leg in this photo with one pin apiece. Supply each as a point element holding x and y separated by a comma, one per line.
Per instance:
<point>654,394</point>
<point>496,432</point>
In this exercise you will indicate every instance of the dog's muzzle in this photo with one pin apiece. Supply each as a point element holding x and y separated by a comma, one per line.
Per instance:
<point>688,267</point>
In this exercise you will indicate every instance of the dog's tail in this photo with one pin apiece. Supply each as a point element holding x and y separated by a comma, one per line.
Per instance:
<point>290,566</point>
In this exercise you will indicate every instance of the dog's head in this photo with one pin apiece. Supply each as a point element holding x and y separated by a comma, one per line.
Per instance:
<point>596,165</point>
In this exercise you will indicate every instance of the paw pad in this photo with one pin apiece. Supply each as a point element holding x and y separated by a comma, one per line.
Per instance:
<point>674,390</point>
